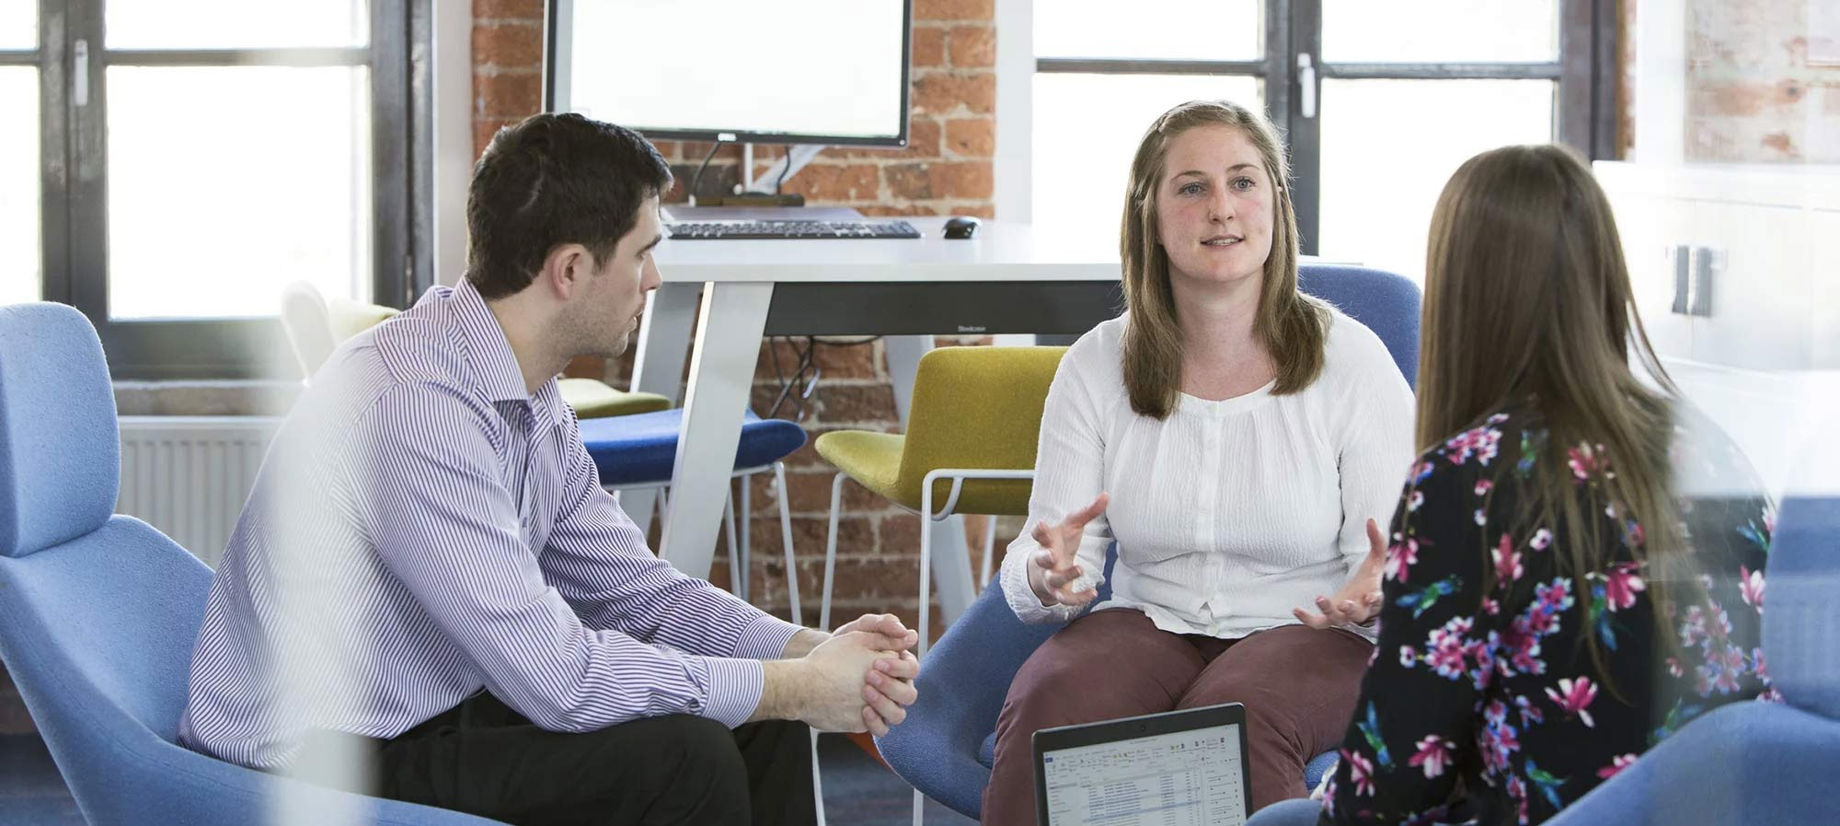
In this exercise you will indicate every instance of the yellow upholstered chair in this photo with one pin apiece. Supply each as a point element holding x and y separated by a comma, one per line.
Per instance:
<point>969,448</point>
<point>316,326</point>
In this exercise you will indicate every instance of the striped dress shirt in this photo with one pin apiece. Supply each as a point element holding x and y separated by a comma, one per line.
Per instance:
<point>424,528</point>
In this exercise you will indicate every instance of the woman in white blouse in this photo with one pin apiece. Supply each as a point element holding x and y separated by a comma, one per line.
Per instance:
<point>1235,437</point>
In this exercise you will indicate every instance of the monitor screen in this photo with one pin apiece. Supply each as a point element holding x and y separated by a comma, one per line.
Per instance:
<point>1183,778</point>
<point>791,71</point>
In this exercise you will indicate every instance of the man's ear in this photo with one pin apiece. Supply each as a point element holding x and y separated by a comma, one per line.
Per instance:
<point>566,267</point>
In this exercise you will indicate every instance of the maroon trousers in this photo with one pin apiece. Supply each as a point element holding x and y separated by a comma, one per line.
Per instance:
<point>1298,684</point>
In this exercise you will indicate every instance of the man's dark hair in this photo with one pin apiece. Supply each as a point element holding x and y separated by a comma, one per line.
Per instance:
<point>554,179</point>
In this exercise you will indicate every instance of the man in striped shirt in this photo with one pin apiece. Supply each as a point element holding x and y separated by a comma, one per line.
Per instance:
<point>429,577</point>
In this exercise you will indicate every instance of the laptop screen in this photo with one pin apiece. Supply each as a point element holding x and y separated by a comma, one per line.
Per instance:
<point>1182,778</point>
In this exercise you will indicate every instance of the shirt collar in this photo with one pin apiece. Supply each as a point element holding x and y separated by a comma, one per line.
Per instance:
<point>494,364</point>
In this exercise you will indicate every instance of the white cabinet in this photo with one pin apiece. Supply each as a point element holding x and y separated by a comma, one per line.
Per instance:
<point>1760,291</point>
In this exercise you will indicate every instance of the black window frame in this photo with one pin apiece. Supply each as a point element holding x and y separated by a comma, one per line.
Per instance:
<point>1584,70</point>
<point>74,184</point>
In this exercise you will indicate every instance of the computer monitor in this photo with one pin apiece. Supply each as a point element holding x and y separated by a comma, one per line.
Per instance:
<point>787,71</point>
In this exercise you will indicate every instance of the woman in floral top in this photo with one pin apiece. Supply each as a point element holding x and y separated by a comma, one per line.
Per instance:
<point>1575,569</point>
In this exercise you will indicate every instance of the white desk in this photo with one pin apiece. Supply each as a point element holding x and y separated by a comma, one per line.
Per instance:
<point>1012,277</point>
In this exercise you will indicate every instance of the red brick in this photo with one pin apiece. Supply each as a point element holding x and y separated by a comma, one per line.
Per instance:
<point>836,361</point>
<point>846,404</point>
<point>508,9</point>
<point>892,210</point>
<point>971,180</point>
<point>855,535</point>
<point>908,181</point>
<point>987,211</point>
<point>508,45</point>
<point>666,148</point>
<point>972,137</point>
<point>827,182</point>
<point>974,47</point>
<point>922,142</point>
<point>810,493</point>
<point>953,9</point>
<point>929,46</point>
<point>943,93</point>
<point>507,95</point>
<point>898,534</point>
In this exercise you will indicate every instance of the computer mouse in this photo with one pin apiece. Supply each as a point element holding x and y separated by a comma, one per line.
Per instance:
<point>961,226</point>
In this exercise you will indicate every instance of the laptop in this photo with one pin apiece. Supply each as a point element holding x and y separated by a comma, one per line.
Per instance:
<point>1179,768</point>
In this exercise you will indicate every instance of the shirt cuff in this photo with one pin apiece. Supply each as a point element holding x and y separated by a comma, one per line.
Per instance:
<point>735,687</point>
<point>765,638</point>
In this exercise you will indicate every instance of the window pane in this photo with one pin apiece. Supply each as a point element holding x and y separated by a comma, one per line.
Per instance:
<point>1381,173</point>
<point>226,184</point>
<point>1086,129</point>
<point>1160,29</point>
<point>18,24</point>
<point>236,24</point>
<point>1438,31</point>
<point>20,258</point>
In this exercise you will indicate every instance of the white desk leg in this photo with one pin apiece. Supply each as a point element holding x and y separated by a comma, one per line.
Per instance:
<point>951,557</point>
<point>658,367</point>
<point>728,331</point>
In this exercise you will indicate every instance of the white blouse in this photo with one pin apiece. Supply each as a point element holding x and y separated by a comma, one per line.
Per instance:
<point>1227,514</point>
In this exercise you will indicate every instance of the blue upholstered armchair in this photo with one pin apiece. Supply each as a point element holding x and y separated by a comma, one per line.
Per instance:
<point>98,612</point>
<point>945,748</point>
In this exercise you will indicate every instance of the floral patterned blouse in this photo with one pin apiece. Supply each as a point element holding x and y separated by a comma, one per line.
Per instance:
<point>1485,707</point>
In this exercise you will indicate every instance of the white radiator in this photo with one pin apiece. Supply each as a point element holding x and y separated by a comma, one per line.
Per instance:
<point>189,475</point>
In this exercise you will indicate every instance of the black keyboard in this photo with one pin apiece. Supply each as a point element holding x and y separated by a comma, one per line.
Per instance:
<point>744,230</point>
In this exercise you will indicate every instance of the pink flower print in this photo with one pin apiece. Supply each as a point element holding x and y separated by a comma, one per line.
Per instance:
<point>1750,587</point>
<point>1496,418</point>
<point>1555,597</point>
<point>1414,499</point>
<point>1728,668</point>
<point>1757,665</point>
<point>1497,743</point>
<point>1361,771</point>
<point>1530,713</point>
<point>1523,648</point>
<point>1483,487</point>
<point>1408,656</point>
<point>1574,697</point>
<point>1585,460</point>
<point>1482,517</point>
<point>1507,562</point>
<point>1542,539</point>
<point>1483,443</point>
<point>1444,653</point>
<point>1491,606</point>
<point>1617,764</point>
<point>1433,755</point>
<point>1400,558</point>
<point>1674,668</point>
<point>1693,626</point>
<point>1621,584</point>
<point>1495,714</point>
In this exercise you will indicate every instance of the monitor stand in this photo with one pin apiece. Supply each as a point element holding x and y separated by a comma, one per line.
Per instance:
<point>682,212</point>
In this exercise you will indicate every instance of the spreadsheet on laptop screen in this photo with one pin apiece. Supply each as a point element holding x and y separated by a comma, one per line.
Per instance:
<point>1185,778</point>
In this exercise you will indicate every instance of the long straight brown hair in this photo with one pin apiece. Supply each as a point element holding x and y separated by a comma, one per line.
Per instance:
<point>1527,297</point>
<point>1291,325</point>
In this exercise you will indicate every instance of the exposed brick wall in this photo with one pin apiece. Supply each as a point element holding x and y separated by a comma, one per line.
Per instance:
<point>945,169</point>
<point>1752,94</point>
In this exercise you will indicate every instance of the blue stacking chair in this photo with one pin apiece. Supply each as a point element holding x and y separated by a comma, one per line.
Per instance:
<point>640,451</point>
<point>99,612</point>
<point>1756,762</point>
<point>948,743</point>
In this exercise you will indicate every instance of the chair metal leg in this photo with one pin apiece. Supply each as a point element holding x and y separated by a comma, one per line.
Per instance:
<point>785,538</point>
<point>990,551</point>
<point>926,566</point>
<point>737,581</point>
<point>919,808</point>
<point>817,783</point>
<point>747,531</point>
<point>830,554</point>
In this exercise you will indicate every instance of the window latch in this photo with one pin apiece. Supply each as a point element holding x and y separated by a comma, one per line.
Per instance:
<point>1306,83</point>
<point>80,73</point>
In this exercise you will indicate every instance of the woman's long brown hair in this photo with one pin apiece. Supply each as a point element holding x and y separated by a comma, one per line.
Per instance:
<point>1527,297</point>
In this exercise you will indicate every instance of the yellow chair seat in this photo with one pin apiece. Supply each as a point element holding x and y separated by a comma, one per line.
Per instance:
<point>595,400</point>
<point>872,459</point>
